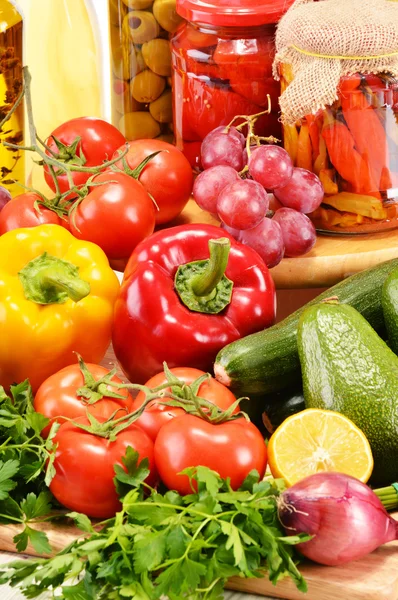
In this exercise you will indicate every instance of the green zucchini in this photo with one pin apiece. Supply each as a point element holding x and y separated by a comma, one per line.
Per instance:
<point>268,361</point>
<point>389,302</point>
<point>281,405</point>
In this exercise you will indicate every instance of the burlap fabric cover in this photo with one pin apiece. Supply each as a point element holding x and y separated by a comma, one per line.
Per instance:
<point>325,40</point>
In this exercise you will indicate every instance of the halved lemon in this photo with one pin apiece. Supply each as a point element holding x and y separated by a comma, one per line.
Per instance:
<point>316,440</point>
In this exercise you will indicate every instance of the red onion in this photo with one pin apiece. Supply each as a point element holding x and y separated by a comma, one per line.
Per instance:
<point>345,516</point>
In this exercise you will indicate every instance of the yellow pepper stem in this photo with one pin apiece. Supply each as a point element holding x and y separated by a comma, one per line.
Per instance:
<point>51,280</point>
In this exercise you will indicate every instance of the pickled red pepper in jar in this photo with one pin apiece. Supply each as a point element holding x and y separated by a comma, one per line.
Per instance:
<point>345,129</point>
<point>141,67</point>
<point>222,67</point>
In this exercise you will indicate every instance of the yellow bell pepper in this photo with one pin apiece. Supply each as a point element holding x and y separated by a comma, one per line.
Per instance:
<point>56,298</point>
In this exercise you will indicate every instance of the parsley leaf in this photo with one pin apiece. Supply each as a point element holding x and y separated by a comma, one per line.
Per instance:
<point>38,539</point>
<point>7,471</point>
<point>133,474</point>
<point>36,506</point>
<point>149,551</point>
<point>81,521</point>
<point>25,457</point>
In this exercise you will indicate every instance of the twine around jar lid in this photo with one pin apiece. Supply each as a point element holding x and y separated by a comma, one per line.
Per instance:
<point>326,39</point>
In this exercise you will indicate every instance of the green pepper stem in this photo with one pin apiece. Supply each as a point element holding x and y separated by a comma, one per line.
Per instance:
<point>204,283</point>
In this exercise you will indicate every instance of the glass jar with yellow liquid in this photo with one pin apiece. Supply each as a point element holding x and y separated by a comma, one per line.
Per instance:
<point>63,49</point>
<point>11,36</point>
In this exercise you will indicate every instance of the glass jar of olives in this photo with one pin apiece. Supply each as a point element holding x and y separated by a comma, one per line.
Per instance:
<point>222,67</point>
<point>141,67</point>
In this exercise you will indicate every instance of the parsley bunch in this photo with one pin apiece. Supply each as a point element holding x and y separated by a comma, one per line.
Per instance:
<point>26,466</point>
<point>164,544</point>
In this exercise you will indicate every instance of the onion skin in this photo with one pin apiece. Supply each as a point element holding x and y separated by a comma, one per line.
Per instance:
<point>346,518</point>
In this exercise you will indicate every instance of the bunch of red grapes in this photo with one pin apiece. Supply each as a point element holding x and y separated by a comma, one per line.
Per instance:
<point>237,188</point>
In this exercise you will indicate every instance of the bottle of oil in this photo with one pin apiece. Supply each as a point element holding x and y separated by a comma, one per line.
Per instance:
<point>11,35</point>
<point>63,50</point>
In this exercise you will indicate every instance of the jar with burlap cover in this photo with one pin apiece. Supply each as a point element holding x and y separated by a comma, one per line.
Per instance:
<point>324,40</point>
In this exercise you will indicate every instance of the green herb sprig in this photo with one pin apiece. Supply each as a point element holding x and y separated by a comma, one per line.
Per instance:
<point>182,547</point>
<point>26,466</point>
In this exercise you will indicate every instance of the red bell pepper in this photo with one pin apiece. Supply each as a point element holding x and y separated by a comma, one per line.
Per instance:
<point>187,292</point>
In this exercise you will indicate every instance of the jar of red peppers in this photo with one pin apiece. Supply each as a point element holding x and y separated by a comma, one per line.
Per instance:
<point>339,106</point>
<point>222,67</point>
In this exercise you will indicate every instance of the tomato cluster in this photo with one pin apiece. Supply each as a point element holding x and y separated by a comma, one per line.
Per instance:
<point>114,194</point>
<point>114,207</point>
<point>169,437</point>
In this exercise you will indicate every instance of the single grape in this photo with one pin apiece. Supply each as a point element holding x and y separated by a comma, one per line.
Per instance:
<point>234,232</point>
<point>210,183</point>
<point>271,166</point>
<point>242,205</point>
<point>245,156</point>
<point>222,149</point>
<point>267,240</point>
<point>303,192</point>
<point>274,204</point>
<point>231,131</point>
<point>298,232</point>
<point>5,197</point>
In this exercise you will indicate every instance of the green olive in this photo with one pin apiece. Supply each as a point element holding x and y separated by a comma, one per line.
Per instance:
<point>166,14</point>
<point>141,26</point>
<point>161,109</point>
<point>137,62</point>
<point>157,56</point>
<point>126,61</point>
<point>147,86</point>
<point>166,137</point>
<point>138,4</point>
<point>122,101</point>
<point>139,125</point>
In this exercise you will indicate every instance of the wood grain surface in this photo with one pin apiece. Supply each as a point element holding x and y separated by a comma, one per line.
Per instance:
<point>375,577</point>
<point>332,259</point>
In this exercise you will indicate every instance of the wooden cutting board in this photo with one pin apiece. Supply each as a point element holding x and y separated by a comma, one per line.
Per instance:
<point>332,259</point>
<point>373,578</point>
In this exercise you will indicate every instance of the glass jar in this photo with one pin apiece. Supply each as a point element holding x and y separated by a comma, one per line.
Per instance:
<point>352,146</point>
<point>222,67</point>
<point>62,48</point>
<point>11,59</point>
<point>141,67</point>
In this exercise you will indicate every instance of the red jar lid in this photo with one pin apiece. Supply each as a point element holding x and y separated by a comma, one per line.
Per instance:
<point>233,13</point>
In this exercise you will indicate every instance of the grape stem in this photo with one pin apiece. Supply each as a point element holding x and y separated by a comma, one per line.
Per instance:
<point>252,139</point>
